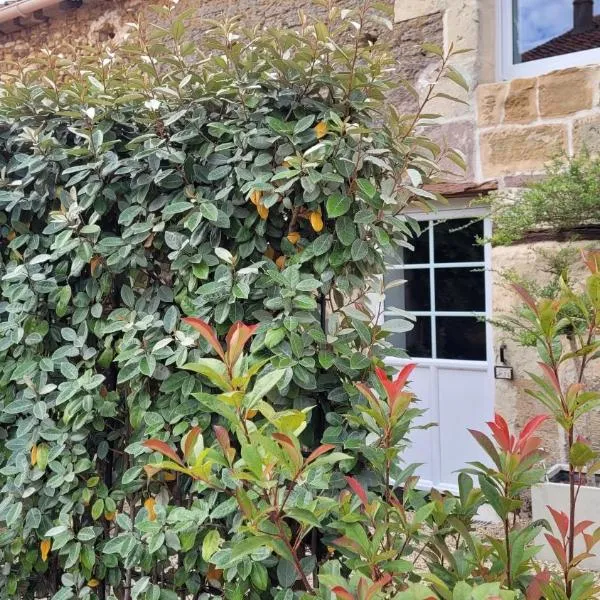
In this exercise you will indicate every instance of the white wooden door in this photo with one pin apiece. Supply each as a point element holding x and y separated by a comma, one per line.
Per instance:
<point>448,288</point>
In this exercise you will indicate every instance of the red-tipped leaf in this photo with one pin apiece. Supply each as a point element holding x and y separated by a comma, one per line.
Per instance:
<point>222,436</point>
<point>561,519</point>
<point>358,489</point>
<point>207,332</point>
<point>341,592</point>
<point>558,549</point>
<point>190,440</point>
<point>237,337</point>
<point>525,296</point>
<point>318,452</point>
<point>163,448</point>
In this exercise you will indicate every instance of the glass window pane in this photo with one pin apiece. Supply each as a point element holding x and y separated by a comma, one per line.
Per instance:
<point>455,240</point>
<point>460,338</point>
<point>416,342</point>
<point>545,28</point>
<point>412,295</point>
<point>420,255</point>
<point>460,289</point>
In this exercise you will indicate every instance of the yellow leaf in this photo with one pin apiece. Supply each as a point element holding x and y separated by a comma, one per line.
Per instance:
<point>149,506</point>
<point>320,129</point>
<point>285,164</point>
<point>294,237</point>
<point>34,455</point>
<point>110,516</point>
<point>94,264</point>
<point>11,236</point>
<point>255,197</point>
<point>251,414</point>
<point>93,583</point>
<point>270,253</point>
<point>45,547</point>
<point>263,211</point>
<point>280,262</point>
<point>169,477</point>
<point>316,221</point>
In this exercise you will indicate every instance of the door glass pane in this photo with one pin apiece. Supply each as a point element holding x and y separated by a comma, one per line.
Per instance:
<point>420,255</point>
<point>455,241</point>
<point>460,338</point>
<point>416,342</point>
<point>460,289</point>
<point>545,28</point>
<point>412,295</point>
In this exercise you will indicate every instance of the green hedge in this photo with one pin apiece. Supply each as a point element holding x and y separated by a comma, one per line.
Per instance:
<point>258,176</point>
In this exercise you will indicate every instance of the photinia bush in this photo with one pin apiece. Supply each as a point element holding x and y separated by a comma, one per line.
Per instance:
<point>256,176</point>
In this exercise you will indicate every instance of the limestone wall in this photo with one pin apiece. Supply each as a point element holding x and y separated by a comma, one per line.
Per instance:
<point>96,23</point>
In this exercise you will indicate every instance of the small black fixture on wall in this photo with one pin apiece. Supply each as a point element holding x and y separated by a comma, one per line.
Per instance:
<point>503,370</point>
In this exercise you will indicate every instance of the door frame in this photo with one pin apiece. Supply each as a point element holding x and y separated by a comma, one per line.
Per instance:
<point>456,210</point>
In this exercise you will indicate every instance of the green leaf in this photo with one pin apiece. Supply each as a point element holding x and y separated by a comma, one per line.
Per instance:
<point>338,205</point>
<point>211,543</point>
<point>359,250</point>
<point>345,230</point>
<point>263,386</point>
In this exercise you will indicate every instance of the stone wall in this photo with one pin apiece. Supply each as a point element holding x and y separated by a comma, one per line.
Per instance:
<point>75,31</point>
<point>522,124</point>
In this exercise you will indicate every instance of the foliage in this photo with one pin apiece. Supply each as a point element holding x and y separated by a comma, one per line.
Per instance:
<point>255,176</point>
<point>568,400</point>
<point>568,197</point>
<point>514,469</point>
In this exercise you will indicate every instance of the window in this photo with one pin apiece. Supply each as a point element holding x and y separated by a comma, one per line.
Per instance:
<point>538,36</point>
<point>445,289</point>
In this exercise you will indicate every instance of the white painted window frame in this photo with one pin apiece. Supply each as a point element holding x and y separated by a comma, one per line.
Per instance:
<point>486,264</point>
<point>508,70</point>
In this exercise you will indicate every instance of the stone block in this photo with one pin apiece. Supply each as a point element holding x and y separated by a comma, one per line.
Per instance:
<point>586,134</point>
<point>404,10</point>
<point>520,105</point>
<point>490,103</point>
<point>512,150</point>
<point>564,93</point>
<point>459,135</point>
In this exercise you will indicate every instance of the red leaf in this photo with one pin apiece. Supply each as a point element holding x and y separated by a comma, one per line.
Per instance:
<point>531,425</point>
<point>207,332</point>
<point>558,548</point>
<point>237,337</point>
<point>163,448</point>
<point>316,453</point>
<point>222,436</point>
<point>551,375</point>
<point>404,374</point>
<point>378,585</point>
<point>581,527</point>
<point>561,519</point>
<point>358,489</point>
<point>525,296</point>
<point>190,440</point>
<point>501,433</point>
<point>338,590</point>
<point>346,542</point>
<point>536,587</point>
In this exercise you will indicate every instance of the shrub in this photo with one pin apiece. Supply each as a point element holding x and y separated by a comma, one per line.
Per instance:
<point>256,177</point>
<point>567,198</point>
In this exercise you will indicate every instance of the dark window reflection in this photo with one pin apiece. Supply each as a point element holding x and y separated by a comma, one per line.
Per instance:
<point>460,289</point>
<point>416,342</point>
<point>412,295</point>
<point>420,255</point>
<point>455,241</point>
<point>460,338</point>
